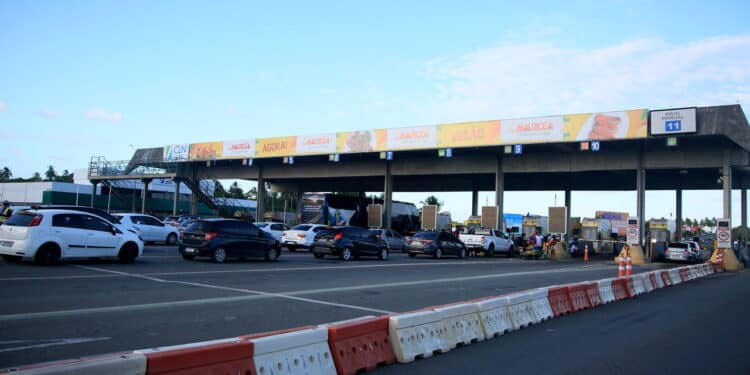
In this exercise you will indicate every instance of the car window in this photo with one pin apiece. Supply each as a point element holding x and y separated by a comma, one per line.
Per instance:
<point>426,236</point>
<point>94,223</point>
<point>284,227</point>
<point>200,227</point>
<point>302,227</point>
<point>388,233</point>
<point>261,225</point>
<point>249,229</point>
<point>21,219</point>
<point>318,229</point>
<point>276,227</point>
<point>151,221</point>
<point>68,221</point>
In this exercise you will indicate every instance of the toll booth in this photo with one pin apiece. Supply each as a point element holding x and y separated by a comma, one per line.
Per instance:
<point>658,237</point>
<point>473,222</point>
<point>531,225</point>
<point>590,235</point>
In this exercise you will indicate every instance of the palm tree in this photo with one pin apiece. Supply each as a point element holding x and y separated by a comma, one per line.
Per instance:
<point>50,174</point>
<point>5,174</point>
<point>432,201</point>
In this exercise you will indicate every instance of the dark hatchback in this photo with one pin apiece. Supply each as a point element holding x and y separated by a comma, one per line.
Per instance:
<point>221,239</point>
<point>349,242</point>
<point>436,244</point>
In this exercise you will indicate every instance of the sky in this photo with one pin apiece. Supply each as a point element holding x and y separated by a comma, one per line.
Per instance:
<point>88,78</point>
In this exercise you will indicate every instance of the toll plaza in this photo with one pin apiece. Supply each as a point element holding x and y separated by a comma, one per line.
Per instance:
<point>634,150</point>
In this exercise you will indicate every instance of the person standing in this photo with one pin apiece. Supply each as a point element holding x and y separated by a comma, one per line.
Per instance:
<point>5,212</point>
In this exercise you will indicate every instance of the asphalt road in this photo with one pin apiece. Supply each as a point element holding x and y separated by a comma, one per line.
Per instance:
<point>86,308</point>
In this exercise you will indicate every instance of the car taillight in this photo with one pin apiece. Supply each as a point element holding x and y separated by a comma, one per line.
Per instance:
<point>338,236</point>
<point>182,235</point>
<point>687,252</point>
<point>210,236</point>
<point>301,235</point>
<point>36,221</point>
<point>481,239</point>
<point>426,242</point>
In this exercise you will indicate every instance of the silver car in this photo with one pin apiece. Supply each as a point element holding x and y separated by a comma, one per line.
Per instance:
<point>394,240</point>
<point>686,251</point>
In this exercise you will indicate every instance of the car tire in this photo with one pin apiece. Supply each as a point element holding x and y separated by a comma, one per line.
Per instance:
<point>510,251</point>
<point>11,258</point>
<point>319,255</point>
<point>128,253</point>
<point>462,253</point>
<point>188,256</point>
<point>272,253</point>
<point>383,254</point>
<point>171,239</point>
<point>219,255</point>
<point>438,253</point>
<point>48,254</point>
<point>412,255</point>
<point>490,251</point>
<point>346,254</point>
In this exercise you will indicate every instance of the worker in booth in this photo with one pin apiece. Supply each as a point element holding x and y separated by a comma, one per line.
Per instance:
<point>5,212</point>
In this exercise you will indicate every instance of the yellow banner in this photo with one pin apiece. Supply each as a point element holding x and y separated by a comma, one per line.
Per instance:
<point>605,126</point>
<point>360,141</point>
<point>279,146</point>
<point>206,151</point>
<point>468,134</point>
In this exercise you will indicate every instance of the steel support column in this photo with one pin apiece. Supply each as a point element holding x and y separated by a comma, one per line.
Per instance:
<point>499,192</point>
<point>93,193</point>
<point>567,210</point>
<point>726,176</point>
<point>678,213</point>
<point>261,196</point>
<point>743,211</point>
<point>176,200</point>
<point>388,195</point>
<point>641,196</point>
<point>144,195</point>
<point>474,202</point>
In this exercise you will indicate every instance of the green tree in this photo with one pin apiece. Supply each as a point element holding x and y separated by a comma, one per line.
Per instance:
<point>432,201</point>
<point>6,174</point>
<point>65,176</point>
<point>36,177</point>
<point>219,191</point>
<point>235,191</point>
<point>252,194</point>
<point>51,174</point>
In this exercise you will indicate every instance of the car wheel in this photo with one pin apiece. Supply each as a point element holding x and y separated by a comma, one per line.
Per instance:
<point>490,251</point>
<point>438,253</point>
<point>219,255</point>
<point>188,256</point>
<point>11,258</point>
<point>462,253</point>
<point>272,253</point>
<point>510,251</point>
<point>172,239</point>
<point>346,254</point>
<point>412,255</point>
<point>128,253</point>
<point>383,254</point>
<point>48,254</point>
<point>319,255</point>
<point>291,248</point>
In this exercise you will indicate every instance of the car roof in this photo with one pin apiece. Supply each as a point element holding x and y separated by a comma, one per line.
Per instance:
<point>59,211</point>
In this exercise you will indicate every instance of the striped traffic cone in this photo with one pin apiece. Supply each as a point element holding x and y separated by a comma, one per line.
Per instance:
<point>628,266</point>
<point>719,265</point>
<point>621,268</point>
<point>586,252</point>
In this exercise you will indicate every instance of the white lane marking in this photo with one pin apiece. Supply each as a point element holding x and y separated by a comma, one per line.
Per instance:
<point>255,270</point>
<point>207,301</point>
<point>49,342</point>
<point>246,291</point>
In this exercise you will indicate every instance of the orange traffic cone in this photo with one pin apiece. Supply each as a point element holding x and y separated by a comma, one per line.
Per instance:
<point>719,265</point>
<point>628,266</point>
<point>621,268</point>
<point>586,252</point>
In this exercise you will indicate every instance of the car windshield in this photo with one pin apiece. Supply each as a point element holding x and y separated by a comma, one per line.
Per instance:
<point>425,236</point>
<point>678,245</point>
<point>302,227</point>
<point>261,225</point>
<point>199,227</point>
<point>21,219</point>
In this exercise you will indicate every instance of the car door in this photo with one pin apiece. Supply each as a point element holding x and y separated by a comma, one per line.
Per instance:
<point>144,231</point>
<point>455,243</point>
<point>398,241</point>
<point>234,241</point>
<point>158,230</point>
<point>367,241</point>
<point>255,241</point>
<point>444,243</point>
<point>276,230</point>
<point>69,229</point>
<point>101,240</point>
<point>390,239</point>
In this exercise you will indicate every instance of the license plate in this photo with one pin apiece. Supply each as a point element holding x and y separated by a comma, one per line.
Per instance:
<point>6,243</point>
<point>189,250</point>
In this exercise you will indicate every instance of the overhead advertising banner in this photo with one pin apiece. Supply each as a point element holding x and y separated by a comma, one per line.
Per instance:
<point>610,215</point>
<point>412,138</point>
<point>240,149</point>
<point>674,121</point>
<point>176,152</point>
<point>468,134</point>
<point>357,141</point>
<point>606,126</point>
<point>316,144</point>
<point>206,150</point>
<point>279,146</point>
<point>531,130</point>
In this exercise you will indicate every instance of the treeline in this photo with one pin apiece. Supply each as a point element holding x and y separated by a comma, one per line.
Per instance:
<point>6,175</point>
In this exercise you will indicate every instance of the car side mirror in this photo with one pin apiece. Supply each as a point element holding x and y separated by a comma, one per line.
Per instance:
<point>114,230</point>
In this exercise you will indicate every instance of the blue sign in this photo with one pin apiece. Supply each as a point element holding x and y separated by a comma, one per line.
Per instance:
<point>595,146</point>
<point>517,149</point>
<point>389,155</point>
<point>448,152</point>
<point>673,126</point>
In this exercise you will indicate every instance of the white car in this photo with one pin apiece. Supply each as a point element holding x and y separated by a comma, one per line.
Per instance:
<point>301,236</point>
<point>275,229</point>
<point>48,236</point>
<point>150,228</point>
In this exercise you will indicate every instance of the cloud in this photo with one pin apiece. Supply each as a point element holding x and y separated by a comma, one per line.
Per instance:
<point>3,106</point>
<point>48,113</point>
<point>101,114</point>
<point>519,80</point>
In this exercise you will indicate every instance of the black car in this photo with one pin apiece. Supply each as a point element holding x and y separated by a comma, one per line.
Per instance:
<point>220,239</point>
<point>348,243</point>
<point>436,244</point>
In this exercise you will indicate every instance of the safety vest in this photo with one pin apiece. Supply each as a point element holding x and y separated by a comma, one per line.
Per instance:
<point>4,215</point>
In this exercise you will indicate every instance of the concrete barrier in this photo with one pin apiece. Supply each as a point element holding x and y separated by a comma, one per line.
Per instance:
<point>674,275</point>
<point>462,324</point>
<point>128,363</point>
<point>217,356</point>
<point>521,309</point>
<point>605,290</point>
<point>298,352</point>
<point>542,308</point>
<point>360,344</point>
<point>495,316</point>
<point>416,335</point>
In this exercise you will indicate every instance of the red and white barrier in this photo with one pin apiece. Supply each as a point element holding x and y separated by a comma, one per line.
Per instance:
<point>521,309</point>
<point>462,324</point>
<point>605,290</point>
<point>495,316</point>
